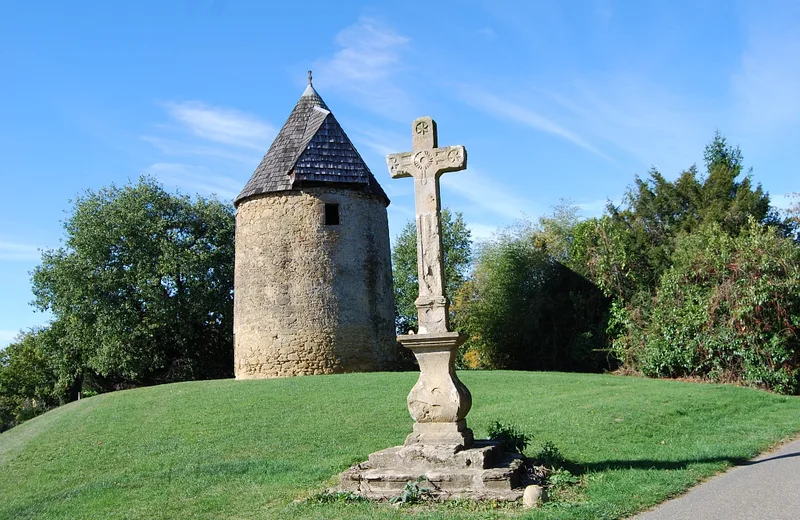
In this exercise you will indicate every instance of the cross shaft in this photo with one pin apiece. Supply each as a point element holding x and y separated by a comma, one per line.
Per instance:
<point>426,163</point>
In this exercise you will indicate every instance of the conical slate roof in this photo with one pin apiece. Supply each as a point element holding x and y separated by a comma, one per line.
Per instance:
<point>310,148</point>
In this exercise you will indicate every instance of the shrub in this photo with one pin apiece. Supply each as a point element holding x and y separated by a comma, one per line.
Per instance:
<point>728,310</point>
<point>512,439</point>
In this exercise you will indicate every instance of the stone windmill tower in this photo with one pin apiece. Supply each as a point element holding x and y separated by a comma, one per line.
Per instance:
<point>313,280</point>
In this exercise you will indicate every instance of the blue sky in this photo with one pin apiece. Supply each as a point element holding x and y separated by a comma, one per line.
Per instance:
<point>552,100</point>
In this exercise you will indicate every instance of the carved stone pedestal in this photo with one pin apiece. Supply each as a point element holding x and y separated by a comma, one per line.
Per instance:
<point>440,453</point>
<point>439,402</point>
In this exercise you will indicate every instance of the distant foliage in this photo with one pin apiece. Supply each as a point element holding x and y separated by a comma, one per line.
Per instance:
<point>28,383</point>
<point>525,309</point>
<point>141,290</point>
<point>457,252</point>
<point>631,246</point>
<point>703,276</point>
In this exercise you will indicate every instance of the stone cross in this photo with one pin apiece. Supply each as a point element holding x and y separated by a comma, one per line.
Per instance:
<point>426,163</point>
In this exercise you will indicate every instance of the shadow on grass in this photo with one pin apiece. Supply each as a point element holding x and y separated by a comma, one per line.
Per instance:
<point>610,465</point>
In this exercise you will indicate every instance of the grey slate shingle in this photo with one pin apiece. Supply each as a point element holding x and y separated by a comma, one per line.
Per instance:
<point>312,146</point>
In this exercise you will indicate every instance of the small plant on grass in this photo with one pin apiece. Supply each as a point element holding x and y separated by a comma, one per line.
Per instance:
<point>548,468</point>
<point>550,456</point>
<point>331,497</point>
<point>413,493</point>
<point>559,480</point>
<point>513,440</point>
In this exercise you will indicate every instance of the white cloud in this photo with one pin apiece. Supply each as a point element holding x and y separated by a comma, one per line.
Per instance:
<point>638,116</point>
<point>178,148</point>
<point>487,195</point>
<point>196,179</point>
<point>380,141</point>
<point>487,33</point>
<point>482,231</point>
<point>497,106</point>
<point>7,336</point>
<point>784,201</point>
<point>367,66</point>
<point>20,252</point>
<point>767,82</point>
<point>222,125</point>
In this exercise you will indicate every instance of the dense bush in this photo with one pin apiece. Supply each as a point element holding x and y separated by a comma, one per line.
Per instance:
<point>526,310</point>
<point>728,309</point>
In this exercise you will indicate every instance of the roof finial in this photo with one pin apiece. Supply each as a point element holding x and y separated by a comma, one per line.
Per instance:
<point>309,78</point>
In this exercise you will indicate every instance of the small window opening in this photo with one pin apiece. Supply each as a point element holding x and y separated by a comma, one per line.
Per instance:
<point>331,214</point>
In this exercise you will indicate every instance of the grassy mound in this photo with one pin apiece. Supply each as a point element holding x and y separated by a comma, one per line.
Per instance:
<point>251,449</point>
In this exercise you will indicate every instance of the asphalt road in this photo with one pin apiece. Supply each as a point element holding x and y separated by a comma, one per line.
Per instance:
<point>768,488</point>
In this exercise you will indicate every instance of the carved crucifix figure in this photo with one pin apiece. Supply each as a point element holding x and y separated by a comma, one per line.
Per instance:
<point>425,163</point>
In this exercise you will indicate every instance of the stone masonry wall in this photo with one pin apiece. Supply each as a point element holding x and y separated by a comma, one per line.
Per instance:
<point>312,298</point>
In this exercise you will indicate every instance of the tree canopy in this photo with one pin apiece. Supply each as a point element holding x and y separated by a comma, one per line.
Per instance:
<point>457,252</point>
<point>142,288</point>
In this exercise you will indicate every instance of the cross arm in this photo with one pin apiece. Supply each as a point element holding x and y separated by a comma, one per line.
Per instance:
<point>400,164</point>
<point>450,159</point>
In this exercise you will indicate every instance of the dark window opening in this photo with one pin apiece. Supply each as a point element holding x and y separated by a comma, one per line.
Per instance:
<point>331,214</point>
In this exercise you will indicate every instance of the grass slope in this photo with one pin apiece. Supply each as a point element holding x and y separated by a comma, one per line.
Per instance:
<point>249,449</point>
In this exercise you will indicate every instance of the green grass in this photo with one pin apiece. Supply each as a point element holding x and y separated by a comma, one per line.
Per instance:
<point>251,449</point>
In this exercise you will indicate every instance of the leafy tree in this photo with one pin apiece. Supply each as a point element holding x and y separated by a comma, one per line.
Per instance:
<point>142,290</point>
<point>633,244</point>
<point>793,217</point>
<point>457,252</point>
<point>525,309</point>
<point>28,384</point>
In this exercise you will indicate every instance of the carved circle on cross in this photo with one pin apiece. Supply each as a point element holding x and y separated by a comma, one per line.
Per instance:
<point>454,156</point>
<point>423,160</point>
<point>422,128</point>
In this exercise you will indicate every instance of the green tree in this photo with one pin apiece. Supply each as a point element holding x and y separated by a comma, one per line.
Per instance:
<point>632,245</point>
<point>526,309</point>
<point>142,289</point>
<point>28,383</point>
<point>793,217</point>
<point>457,252</point>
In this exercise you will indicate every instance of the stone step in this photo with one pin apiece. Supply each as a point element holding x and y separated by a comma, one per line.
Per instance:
<point>481,456</point>
<point>501,482</point>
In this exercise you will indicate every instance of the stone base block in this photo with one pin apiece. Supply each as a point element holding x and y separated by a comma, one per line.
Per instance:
<point>447,433</point>
<point>483,472</point>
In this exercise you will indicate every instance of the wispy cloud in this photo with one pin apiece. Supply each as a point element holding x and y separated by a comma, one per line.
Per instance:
<point>767,81</point>
<point>206,140</point>
<point>7,336</point>
<point>196,179</point>
<point>19,252</point>
<point>487,33</point>
<point>179,148</point>
<point>222,125</point>
<point>487,195</point>
<point>637,116</point>
<point>367,66</point>
<point>380,141</point>
<point>502,107</point>
<point>481,231</point>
